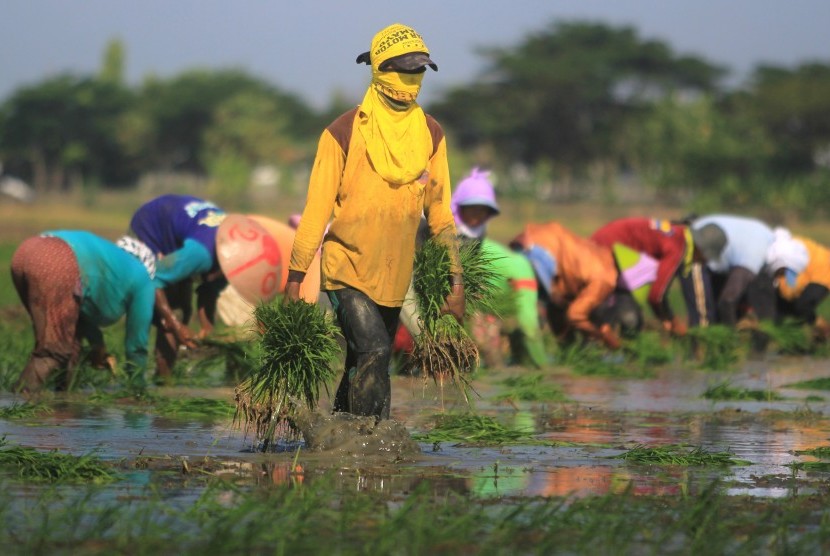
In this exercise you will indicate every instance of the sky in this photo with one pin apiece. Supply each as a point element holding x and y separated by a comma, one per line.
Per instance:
<point>308,47</point>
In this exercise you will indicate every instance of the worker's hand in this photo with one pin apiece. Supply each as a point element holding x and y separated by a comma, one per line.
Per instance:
<point>100,359</point>
<point>204,332</point>
<point>184,335</point>
<point>747,324</point>
<point>455,303</point>
<point>676,327</point>
<point>609,337</point>
<point>821,330</point>
<point>292,292</point>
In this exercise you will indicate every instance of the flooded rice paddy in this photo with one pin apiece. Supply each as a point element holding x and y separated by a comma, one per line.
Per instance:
<point>567,467</point>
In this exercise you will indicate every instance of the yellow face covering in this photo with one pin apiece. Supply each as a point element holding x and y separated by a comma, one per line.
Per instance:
<point>398,141</point>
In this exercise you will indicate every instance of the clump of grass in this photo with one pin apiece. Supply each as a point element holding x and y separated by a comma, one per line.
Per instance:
<point>818,451</point>
<point>717,347</point>
<point>791,338</point>
<point>814,384</point>
<point>24,410</point>
<point>531,388</point>
<point>51,467</point>
<point>477,430</point>
<point>822,466</point>
<point>444,349</point>
<point>723,391</point>
<point>591,359</point>
<point>649,349</point>
<point>298,345</point>
<point>678,455</point>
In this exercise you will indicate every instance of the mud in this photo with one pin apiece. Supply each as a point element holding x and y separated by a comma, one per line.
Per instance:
<point>351,435</point>
<point>602,417</point>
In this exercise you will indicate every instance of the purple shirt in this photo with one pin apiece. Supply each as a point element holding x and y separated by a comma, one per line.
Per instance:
<point>167,221</point>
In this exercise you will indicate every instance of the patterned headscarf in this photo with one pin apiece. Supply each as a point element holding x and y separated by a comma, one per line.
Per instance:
<point>140,251</point>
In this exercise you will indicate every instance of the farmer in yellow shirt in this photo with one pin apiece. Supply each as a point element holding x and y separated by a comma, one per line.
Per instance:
<point>802,278</point>
<point>378,168</point>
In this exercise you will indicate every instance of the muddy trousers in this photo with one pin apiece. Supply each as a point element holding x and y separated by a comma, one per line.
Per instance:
<point>369,330</point>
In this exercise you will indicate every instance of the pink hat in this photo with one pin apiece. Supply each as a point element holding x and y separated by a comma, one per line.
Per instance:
<point>475,189</point>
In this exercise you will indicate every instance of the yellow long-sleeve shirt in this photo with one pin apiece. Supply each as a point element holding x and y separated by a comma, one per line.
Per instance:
<point>370,244</point>
<point>817,271</point>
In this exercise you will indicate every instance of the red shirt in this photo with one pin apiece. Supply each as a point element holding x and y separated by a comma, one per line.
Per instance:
<point>659,239</point>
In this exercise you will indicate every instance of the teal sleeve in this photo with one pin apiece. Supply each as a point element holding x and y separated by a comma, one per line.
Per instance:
<point>137,334</point>
<point>192,259</point>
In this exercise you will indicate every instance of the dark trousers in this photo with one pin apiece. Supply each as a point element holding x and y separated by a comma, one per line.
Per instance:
<point>803,308</point>
<point>702,289</point>
<point>369,330</point>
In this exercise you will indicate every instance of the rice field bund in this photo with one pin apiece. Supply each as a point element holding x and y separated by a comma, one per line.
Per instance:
<point>660,448</point>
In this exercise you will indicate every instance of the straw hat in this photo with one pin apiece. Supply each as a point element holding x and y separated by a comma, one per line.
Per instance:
<point>249,257</point>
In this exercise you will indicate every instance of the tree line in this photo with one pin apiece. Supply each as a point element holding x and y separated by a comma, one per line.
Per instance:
<point>574,103</point>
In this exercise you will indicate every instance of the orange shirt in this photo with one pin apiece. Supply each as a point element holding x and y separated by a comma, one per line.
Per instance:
<point>585,271</point>
<point>817,271</point>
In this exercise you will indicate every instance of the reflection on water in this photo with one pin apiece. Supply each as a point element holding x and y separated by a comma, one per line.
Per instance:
<point>603,418</point>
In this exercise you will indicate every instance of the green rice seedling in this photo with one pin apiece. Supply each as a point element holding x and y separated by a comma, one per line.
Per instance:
<point>678,455</point>
<point>298,346</point>
<point>790,337</point>
<point>471,429</point>
<point>24,410</point>
<point>818,452</point>
<point>723,391</point>
<point>444,349</point>
<point>591,359</point>
<point>33,465</point>
<point>823,466</point>
<point>531,388</point>
<point>716,347</point>
<point>814,384</point>
<point>648,348</point>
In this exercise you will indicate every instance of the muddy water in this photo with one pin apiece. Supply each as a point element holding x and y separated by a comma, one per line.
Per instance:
<point>603,417</point>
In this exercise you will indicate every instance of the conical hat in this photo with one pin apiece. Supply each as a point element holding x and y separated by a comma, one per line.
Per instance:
<point>249,257</point>
<point>284,236</point>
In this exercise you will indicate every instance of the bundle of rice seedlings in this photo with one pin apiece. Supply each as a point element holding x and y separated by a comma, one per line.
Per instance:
<point>444,349</point>
<point>674,454</point>
<point>30,464</point>
<point>725,391</point>
<point>791,337</point>
<point>716,347</point>
<point>298,345</point>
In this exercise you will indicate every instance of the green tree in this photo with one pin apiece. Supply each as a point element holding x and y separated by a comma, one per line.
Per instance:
<point>247,130</point>
<point>793,105</point>
<point>691,145</point>
<point>171,118</point>
<point>62,131</point>
<point>564,93</point>
<point>112,65</point>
